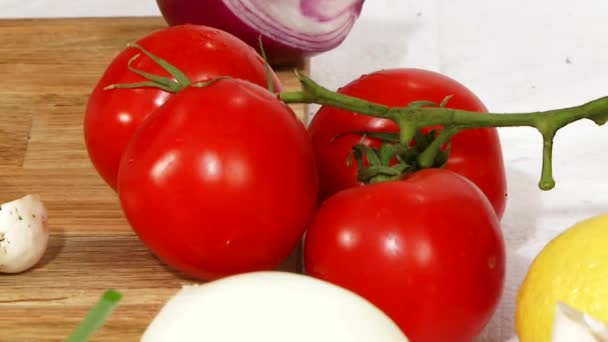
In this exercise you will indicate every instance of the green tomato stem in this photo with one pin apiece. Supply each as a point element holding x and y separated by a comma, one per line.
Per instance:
<point>427,158</point>
<point>546,179</point>
<point>269,82</point>
<point>414,117</point>
<point>314,93</point>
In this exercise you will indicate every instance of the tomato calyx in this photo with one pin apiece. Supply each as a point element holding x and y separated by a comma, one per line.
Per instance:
<point>179,80</point>
<point>393,160</point>
<point>172,85</point>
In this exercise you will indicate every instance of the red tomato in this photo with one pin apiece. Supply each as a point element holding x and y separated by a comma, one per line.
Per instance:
<point>427,250</point>
<point>220,180</point>
<point>200,52</point>
<point>475,153</point>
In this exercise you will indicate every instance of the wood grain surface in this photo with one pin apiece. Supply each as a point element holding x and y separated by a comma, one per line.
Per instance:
<point>48,68</point>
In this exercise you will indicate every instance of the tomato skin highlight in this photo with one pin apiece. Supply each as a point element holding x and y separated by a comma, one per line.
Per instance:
<point>220,180</point>
<point>475,153</point>
<point>200,52</point>
<point>427,250</point>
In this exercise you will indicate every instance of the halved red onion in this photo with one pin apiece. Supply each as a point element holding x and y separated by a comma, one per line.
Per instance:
<point>291,28</point>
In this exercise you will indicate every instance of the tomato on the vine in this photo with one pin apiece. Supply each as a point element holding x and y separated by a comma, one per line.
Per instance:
<point>427,250</point>
<point>200,52</point>
<point>475,153</point>
<point>220,180</point>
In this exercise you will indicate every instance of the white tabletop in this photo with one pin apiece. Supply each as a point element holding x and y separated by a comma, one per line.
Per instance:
<point>517,55</point>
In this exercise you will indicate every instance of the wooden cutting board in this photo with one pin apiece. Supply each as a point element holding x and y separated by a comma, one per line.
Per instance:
<point>48,67</point>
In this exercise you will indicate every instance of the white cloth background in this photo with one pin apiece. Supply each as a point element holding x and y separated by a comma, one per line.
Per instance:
<point>517,55</point>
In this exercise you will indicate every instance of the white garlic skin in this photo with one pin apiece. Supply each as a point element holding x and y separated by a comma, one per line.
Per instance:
<point>571,325</point>
<point>24,233</point>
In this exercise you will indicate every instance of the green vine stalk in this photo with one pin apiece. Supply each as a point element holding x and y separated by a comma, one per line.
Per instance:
<point>422,114</point>
<point>410,119</point>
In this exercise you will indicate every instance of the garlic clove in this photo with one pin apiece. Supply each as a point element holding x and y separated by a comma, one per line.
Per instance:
<point>572,325</point>
<point>24,233</point>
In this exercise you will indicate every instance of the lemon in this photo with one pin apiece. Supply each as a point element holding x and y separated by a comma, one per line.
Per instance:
<point>572,269</point>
